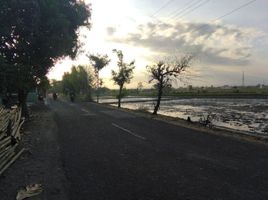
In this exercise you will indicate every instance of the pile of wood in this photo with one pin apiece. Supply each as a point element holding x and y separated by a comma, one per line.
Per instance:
<point>10,125</point>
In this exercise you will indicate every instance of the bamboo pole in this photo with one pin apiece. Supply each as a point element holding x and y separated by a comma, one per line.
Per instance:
<point>17,133</point>
<point>9,148</point>
<point>8,153</point>
<point>11,161</point>
<point>5,142</point>
<point>2,135</point>
<point>6,158</point>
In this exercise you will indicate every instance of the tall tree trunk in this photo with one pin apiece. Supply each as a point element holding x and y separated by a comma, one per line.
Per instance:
<point>22,97</point>
<point>159,96</point>
<point>120,96</point>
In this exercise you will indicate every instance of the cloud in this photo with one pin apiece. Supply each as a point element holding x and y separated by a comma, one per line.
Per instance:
<point>212,43</point>
<point>111,31</point>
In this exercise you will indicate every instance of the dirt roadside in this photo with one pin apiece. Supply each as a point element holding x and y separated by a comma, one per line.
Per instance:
<point>40,163</point>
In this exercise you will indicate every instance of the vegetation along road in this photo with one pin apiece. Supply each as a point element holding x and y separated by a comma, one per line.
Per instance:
<point>112,154</point>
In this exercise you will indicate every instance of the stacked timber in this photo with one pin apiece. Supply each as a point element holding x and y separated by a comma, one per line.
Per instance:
<point>10,125</point>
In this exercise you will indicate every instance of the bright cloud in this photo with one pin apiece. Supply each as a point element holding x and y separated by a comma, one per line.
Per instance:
<point>222,51</point>
<point>213,43</point>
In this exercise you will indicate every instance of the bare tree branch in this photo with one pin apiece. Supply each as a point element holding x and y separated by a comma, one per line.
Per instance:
<point>165,71</point>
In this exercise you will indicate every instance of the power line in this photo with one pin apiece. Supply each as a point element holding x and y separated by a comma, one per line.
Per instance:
<point>228,13</point>
<point>162,7</point>
<point>189,8</point>
<point>193,9</point>
<point>185,8</point>
<point>204,26</point>
<point>195,5</point>
<point>236,9</point>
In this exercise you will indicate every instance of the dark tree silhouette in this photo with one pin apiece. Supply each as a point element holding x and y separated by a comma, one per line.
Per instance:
<point>34,34</point>
<point>124,74</point>
<point>164,72</point>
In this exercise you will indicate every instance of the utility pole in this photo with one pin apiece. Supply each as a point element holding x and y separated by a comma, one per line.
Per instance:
<point>243,79</point>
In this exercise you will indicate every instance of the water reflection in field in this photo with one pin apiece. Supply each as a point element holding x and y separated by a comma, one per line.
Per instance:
<point>242,114</point>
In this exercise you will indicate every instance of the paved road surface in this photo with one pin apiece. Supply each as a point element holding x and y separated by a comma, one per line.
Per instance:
<point>115,155</point>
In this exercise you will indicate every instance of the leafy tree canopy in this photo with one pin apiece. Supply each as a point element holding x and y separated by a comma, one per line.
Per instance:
<point>78,81</point>
<point>35,33</point>
<point>123,75</point>
<point>125,72</point>
<point>98,62</point>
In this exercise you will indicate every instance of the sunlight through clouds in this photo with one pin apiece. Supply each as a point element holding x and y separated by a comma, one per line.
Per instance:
<point>217,45</point>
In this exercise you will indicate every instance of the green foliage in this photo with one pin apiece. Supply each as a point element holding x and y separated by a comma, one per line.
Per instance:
<point>16,77</point>
<point>8,77</point>
<point>123,75</point>
<point>56,86</point>
<point>79,81</point>
<point>34,34</point>
<point>122,94</point>
<point>43,85</point>
<point>139,87</point>
<point>98,62</point>
<point>125,72</point>
<point>195,92</point>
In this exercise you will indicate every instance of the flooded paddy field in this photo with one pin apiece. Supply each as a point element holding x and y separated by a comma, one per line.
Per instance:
<point>249,115</point>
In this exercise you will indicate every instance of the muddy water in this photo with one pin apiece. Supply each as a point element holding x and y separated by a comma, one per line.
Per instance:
<point>250,115</point>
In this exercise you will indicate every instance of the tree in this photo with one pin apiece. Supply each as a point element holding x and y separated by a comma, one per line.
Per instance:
<point>42,86</point>
<point>124,74</point>
<point>56,86</point>
<point>79,81</point>
<point>35,34</point>
<point>98,62</point>
<point>164,72</point>
<point>139,87</point>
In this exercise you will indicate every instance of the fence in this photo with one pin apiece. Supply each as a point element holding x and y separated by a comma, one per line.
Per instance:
<point>10,125</point>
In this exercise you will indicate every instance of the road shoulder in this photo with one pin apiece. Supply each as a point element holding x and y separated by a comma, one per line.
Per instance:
<point>40,163</point>
<point>232,134</point>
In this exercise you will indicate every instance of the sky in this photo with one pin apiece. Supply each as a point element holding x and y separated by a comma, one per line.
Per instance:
<point>226,39</point>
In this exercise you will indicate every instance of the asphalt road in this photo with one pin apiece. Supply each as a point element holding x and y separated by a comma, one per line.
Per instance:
<point>111,154</point>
